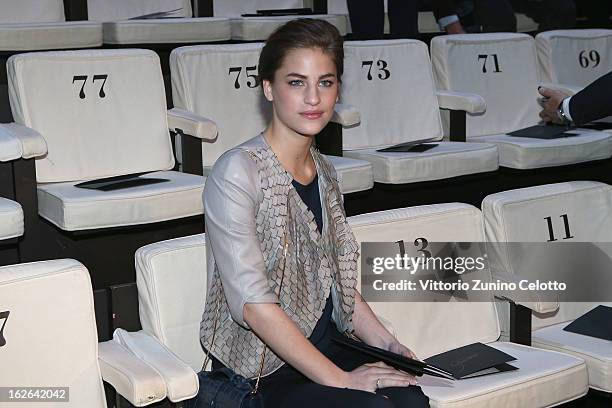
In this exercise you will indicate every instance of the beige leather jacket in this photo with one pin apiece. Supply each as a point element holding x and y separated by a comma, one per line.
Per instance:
<point>251,208</point>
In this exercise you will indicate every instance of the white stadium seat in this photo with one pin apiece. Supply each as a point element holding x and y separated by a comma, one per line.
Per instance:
<point>502,68</point>
<point>171,280</point>
<point>108,118</point>
<point>28,25</point>
<point>391,84</point>
<point>543,378</point>
<point>48,338</point>
<point>219,82</point>
<point>122,25</point>
<point>574,57</point>
<point>580,210</point>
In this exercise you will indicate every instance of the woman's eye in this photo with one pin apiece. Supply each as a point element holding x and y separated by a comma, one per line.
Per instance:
<point>327,83</point>
<point>295,82</point>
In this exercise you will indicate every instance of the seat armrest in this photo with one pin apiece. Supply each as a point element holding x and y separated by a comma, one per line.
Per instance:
<point>131,377</point>
<point>10,146</point>
<point>346,115</point>
<point>189,123</point>
<point>568,89</point>
<point>32,143</point>
<point>461,101</point>
<point>181,380</point>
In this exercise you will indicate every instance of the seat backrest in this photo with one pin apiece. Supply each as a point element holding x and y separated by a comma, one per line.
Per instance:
<point>500,67</point>
<point>235,8</point>
<point>31,11</point>
<point>114,10</point>
<point>101,112</point>
<point>574,57</point>
<point>48,331</point>
<point>432,327</point>
<point>577,211</point>
<point>219,82</point>
<point>171,280</point>
<point>391,83</point>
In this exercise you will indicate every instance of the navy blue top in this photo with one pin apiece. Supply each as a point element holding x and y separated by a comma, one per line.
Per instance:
<point>311,197</point>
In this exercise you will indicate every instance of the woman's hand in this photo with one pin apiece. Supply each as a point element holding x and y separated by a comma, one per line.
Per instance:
<point>370,377</point>
<point>398,348</point>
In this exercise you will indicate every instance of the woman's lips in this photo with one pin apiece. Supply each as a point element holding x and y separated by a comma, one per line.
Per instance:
<point>312,115</point>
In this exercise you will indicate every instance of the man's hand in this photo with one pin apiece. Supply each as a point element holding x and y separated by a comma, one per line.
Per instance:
<point>454,28</point>
<point>550,104</point>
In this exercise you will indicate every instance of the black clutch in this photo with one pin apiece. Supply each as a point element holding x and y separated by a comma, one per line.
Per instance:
<point>398,361</point>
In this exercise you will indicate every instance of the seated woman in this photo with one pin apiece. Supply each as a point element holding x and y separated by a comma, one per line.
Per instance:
<point>282,271</point>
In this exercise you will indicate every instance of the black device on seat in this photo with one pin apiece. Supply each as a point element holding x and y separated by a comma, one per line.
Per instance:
<point>543,132</point>
<point>304,11</point>
<point>473,360</point>
<point>398,361</point>
<point>595,323</point>
<point>120,182</point>
<point>159,14</point>
<point>414,147</point>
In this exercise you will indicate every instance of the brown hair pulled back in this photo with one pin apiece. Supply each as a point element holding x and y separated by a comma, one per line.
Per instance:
<point>298,34</point>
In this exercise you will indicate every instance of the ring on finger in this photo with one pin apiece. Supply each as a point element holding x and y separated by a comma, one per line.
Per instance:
<point>377,383</point>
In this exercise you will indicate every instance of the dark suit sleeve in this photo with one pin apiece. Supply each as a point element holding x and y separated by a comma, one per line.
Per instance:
<point>593,102</point>
<point>443,8</point>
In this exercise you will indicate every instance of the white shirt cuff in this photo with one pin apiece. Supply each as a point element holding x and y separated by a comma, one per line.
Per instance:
<point>444,21</point>
<point>565,108</point>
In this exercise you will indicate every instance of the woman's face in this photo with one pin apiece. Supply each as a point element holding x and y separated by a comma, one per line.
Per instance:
<point>304,91</point>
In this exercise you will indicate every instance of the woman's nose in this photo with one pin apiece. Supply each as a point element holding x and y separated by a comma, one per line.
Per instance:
<point>312,95</point>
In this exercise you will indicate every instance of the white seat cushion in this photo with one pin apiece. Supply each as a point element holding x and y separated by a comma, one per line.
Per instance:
<point>260,28</point>
<point>528,153</point>
<point>596,352</point>
<point>448,159</point>
<point>169,30</point>
<point>10,147</point>
<point>72,208</point>
<point>11,219</point>
<point>574,57</point>
<point>543,379</point>
<point>353,175</point>
<point>50,35</point>
<point>50,333</point>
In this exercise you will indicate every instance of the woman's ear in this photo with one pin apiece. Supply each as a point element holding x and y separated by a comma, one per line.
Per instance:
<point>267,89</point>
